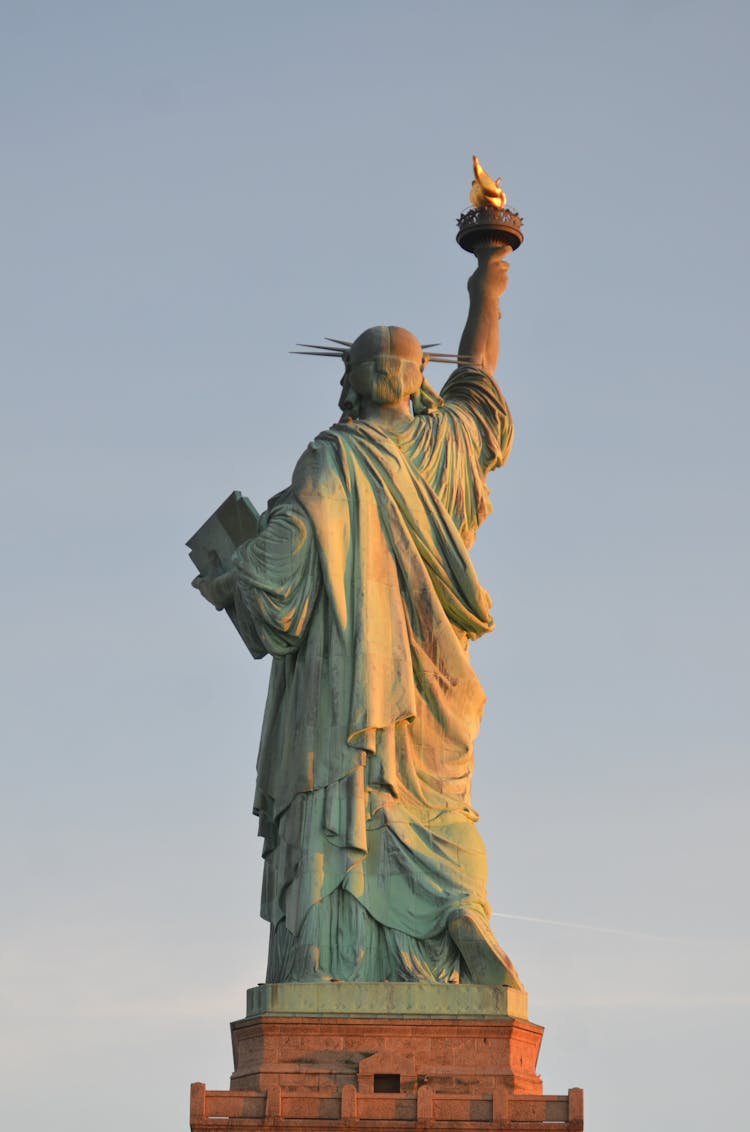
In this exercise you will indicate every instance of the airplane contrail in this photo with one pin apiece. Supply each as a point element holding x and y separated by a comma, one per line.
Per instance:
<point>582,927</point>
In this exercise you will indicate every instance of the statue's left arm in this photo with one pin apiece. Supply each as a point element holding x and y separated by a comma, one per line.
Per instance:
<point>273,582</point>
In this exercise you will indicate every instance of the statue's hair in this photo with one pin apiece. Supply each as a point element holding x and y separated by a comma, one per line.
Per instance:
<point>386,379</point>
<point>384,364</point>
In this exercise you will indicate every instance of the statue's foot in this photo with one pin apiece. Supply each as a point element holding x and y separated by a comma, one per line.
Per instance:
<point>482,955</point>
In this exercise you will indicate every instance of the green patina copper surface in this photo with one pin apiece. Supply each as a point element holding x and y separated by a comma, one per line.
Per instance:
<point>360,586</point>
<point>431,1000</point>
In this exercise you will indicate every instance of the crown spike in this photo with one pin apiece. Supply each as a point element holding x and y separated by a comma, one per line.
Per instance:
<point>334,350</point>
<point>316,353</point>
<point>450,357</point>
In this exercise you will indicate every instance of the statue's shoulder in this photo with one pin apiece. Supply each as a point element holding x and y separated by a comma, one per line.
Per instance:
<point>319,466</point>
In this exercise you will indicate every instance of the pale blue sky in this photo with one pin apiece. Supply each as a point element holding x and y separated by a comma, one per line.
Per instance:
<point>188,189</point>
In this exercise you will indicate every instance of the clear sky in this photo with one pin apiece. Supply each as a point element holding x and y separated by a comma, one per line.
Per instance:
<point>189,189</point>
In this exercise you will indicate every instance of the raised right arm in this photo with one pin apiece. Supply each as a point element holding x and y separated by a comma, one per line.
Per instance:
<point>480,341</point>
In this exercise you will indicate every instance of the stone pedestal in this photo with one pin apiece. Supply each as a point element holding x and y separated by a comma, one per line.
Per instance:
<point>382,1056</point>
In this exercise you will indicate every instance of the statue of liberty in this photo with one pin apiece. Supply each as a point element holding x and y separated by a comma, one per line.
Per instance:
<point>360,586</point>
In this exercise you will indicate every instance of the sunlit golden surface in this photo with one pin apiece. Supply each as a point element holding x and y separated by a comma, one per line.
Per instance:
<point>485,193</point>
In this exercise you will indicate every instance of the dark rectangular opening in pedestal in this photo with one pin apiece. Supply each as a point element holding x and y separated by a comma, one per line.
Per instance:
<point>386,1083</point>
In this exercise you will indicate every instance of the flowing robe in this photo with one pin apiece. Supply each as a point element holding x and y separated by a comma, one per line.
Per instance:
<point>361,588</point>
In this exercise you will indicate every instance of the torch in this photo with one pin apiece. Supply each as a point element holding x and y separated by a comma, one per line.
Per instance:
<point>490,221</point>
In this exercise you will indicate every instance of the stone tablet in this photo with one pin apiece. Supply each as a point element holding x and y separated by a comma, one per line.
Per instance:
<point>211,548</point>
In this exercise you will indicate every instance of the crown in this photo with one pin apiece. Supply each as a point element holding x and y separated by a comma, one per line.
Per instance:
<point>489,225</point>
<point>340,348</point>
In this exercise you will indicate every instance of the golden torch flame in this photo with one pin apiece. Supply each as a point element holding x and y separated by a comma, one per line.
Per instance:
<point>485,193</point>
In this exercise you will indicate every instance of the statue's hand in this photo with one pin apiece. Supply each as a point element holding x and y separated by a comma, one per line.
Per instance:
<point>491,276</point>
<point>219,591</point>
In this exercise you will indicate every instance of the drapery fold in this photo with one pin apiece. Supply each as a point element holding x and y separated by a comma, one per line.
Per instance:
<point>361,588</point>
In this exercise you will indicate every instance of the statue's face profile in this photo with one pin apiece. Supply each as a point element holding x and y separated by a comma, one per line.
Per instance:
<point>385,364</point>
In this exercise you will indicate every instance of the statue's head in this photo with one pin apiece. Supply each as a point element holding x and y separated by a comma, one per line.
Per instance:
<point>385,364</point>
